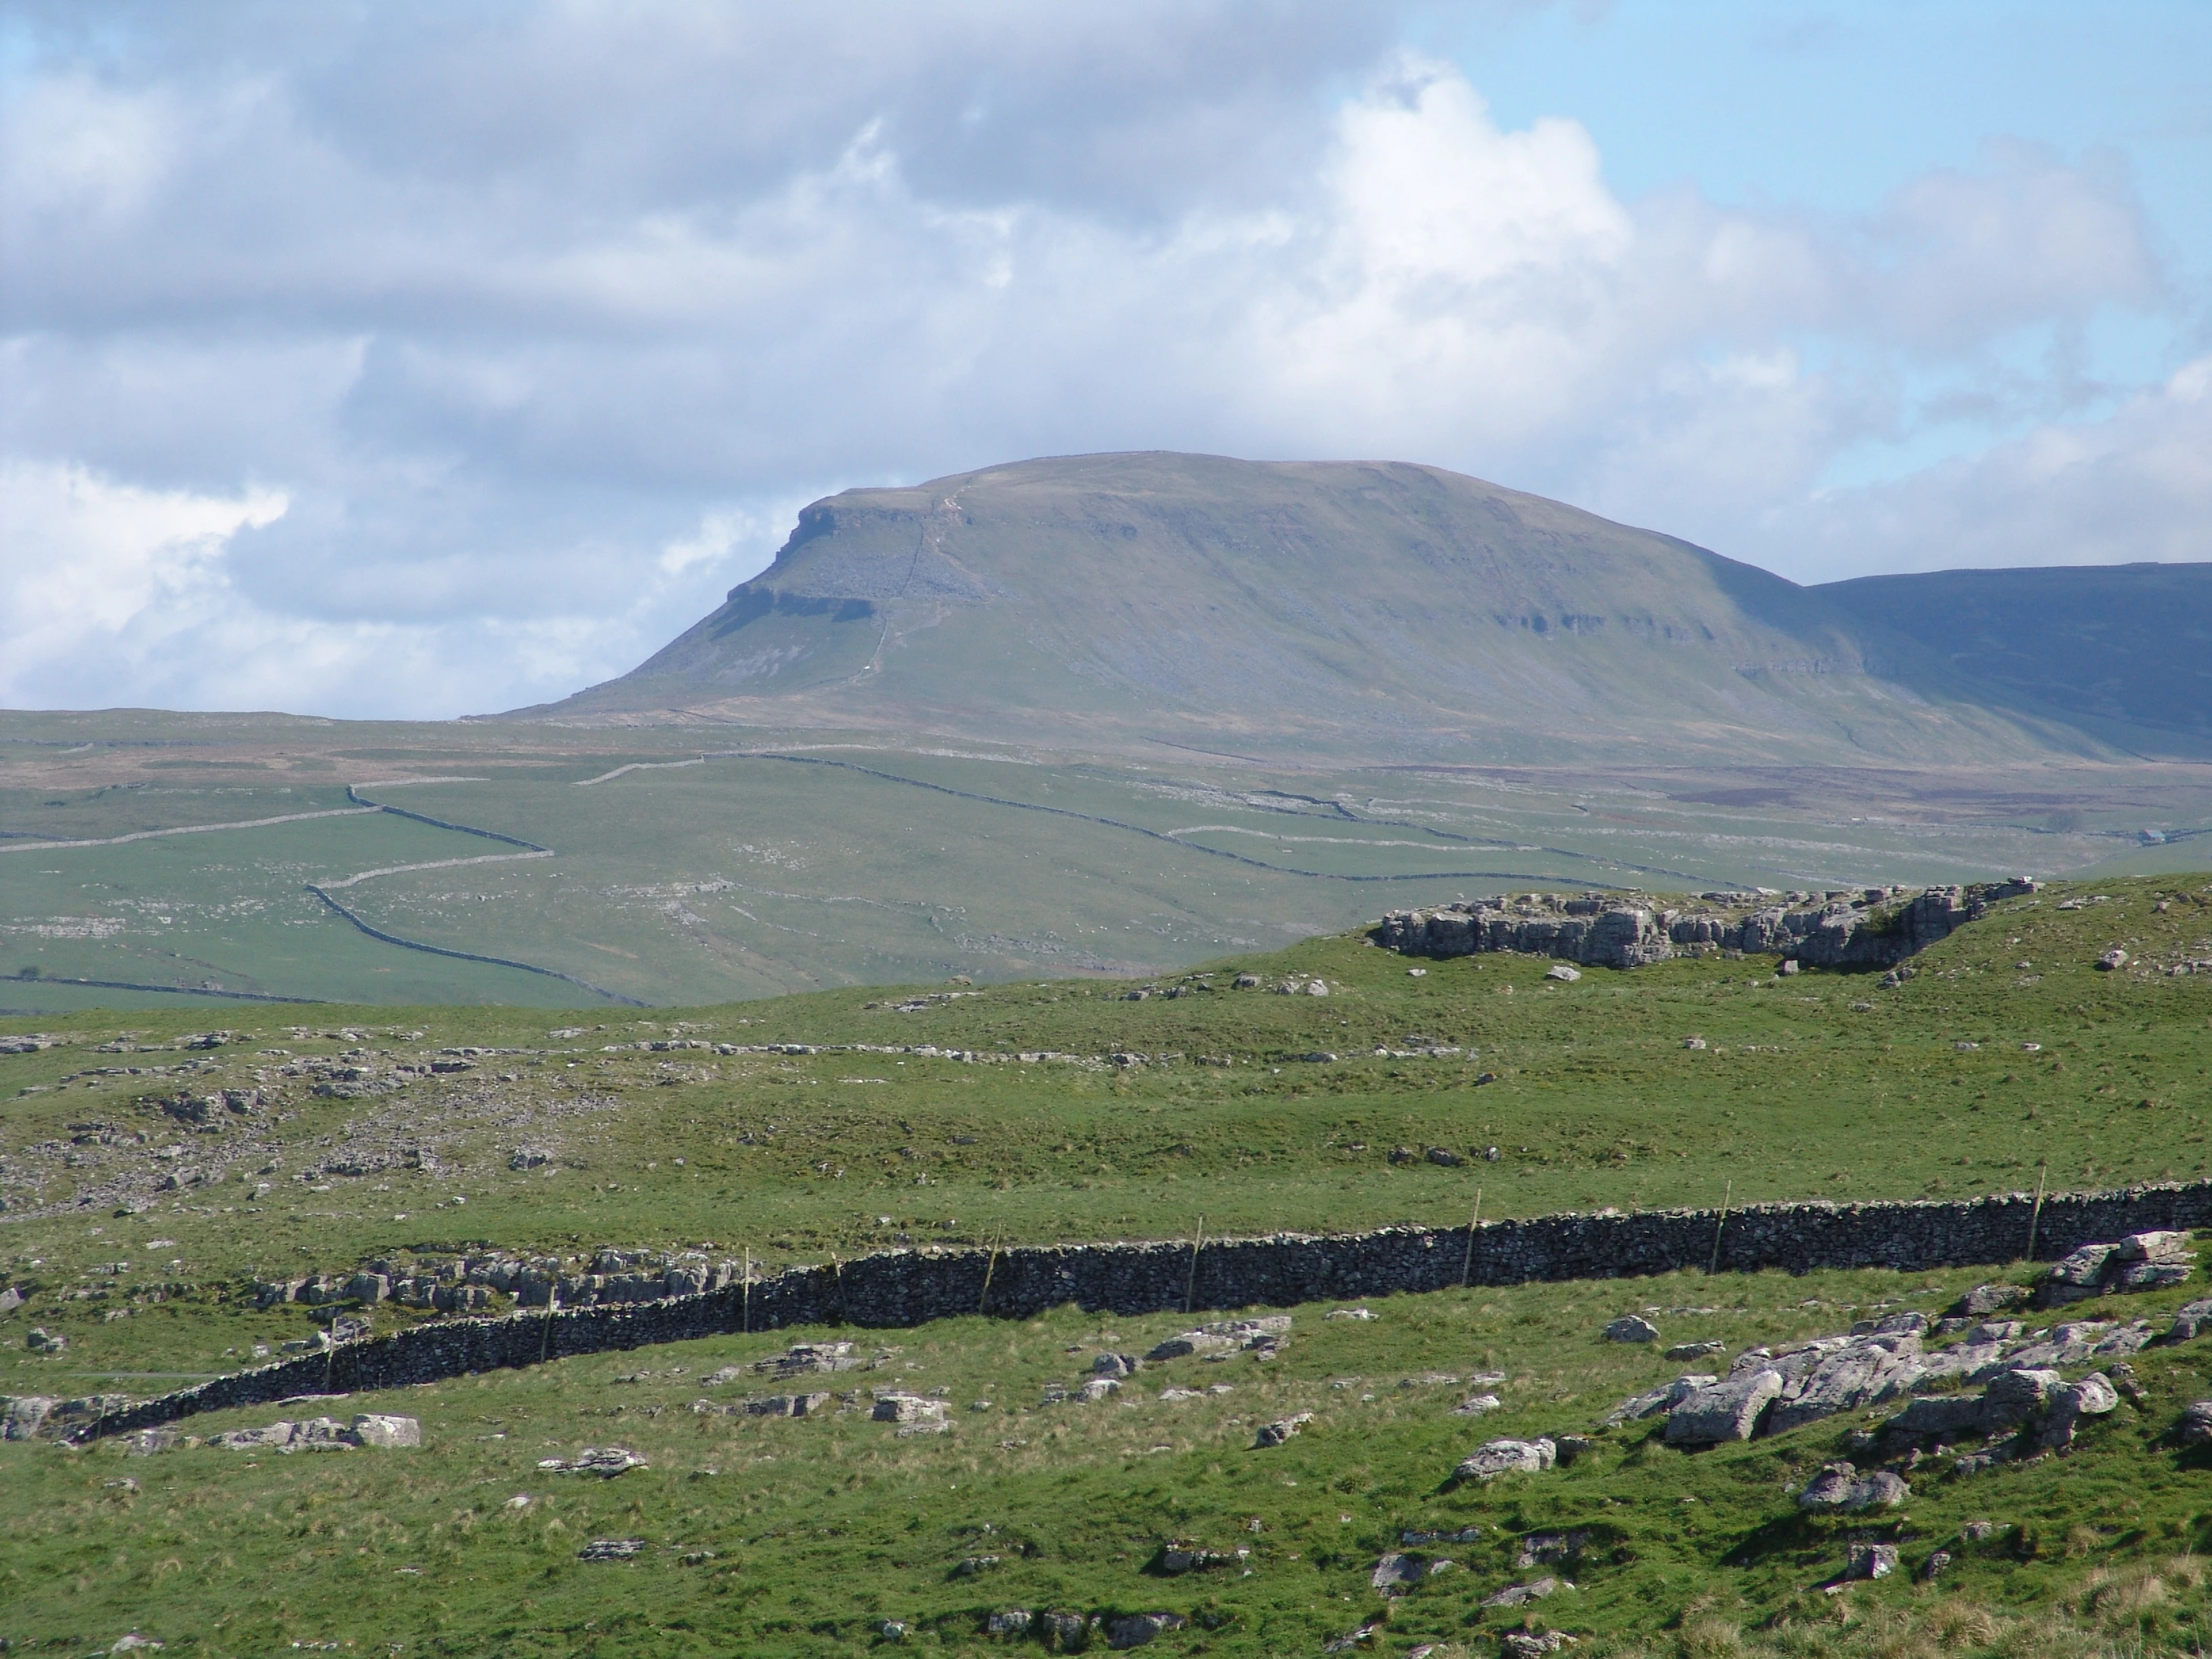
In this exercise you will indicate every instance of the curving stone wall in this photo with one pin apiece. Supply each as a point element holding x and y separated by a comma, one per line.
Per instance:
<point>912,1287</point>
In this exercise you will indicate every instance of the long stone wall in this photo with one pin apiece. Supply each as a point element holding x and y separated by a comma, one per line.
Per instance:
<point>912,1287</point>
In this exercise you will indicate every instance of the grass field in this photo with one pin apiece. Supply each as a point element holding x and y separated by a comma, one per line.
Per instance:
<point>810,1533</point>
<point>861,860</point>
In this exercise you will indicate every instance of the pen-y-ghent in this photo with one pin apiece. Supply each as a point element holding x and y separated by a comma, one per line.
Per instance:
<point>1248,829</point>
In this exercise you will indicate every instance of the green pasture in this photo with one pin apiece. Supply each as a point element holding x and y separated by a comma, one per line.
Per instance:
<point>780,1537</point>
<point>861,861</point>
<point>801,1537</point>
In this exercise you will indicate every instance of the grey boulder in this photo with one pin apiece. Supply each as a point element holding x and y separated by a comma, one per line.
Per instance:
<point>1986,1299</point>
<point>1726,1411</point>
<point>2189,1322</point>
<point>1841,1487</point>
<point>1664,1398</point>
<point>1138,1628</point>
<point>1497,1457</point>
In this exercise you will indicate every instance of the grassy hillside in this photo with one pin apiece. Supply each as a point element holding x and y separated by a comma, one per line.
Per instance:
<point>2125,646</point>
<point>799,1537</point>
<point>691,867</point>
<point>1307,611</point>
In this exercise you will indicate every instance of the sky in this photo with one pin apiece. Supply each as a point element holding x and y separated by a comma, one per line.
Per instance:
<point>412,360</point>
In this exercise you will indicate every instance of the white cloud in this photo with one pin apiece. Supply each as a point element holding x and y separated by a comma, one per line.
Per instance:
<point>87,563</point>
<point>2135,485</point>
<point>540,331</point>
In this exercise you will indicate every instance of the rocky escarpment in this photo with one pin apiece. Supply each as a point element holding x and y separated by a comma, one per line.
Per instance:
<point>1866,927</point>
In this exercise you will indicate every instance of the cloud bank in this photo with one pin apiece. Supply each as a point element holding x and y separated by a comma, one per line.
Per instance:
<point>490,346</point>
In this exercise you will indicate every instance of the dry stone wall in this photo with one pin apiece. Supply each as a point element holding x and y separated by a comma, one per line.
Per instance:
<point>912,1287</point>
<point>1866,927</point>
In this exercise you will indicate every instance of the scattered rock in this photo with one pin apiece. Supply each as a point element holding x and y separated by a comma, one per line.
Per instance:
<point>320,1434</point>
<point>1065,1630</point>
<point>1664,1398</point>
<point>606,1463</point>
<point>1933,1567</point>
<point>2112,959</point>
<point>1870,1561</point>
<point>2014,1396</point>
<point>10,1299</point>
<point>907,1408</point>
<point>23,1415</point>
<point>1364,1636</point>
<point>1138,1628</point>
<point>1225,1336</point>
<point>2189,1322</point>
<point>2141,1261</point>
<point>1009,1621</point>
<point>2195,1428</point>
<point>1532,1644</point>
<point>2093,1396</point>
<point>1631,1327</point>
<point>1569,1447</point>
<point>1396,1573</point>
<point>892,1630</point>
<point>804,1357</point>
<point>1115,1364</point>
<point>789,1404</point>
<point>1560,971</point>
<point>41,1341</point>
<point>1841,1487</point>
<point>1444,1155</point>
<point>975,1566</point>
<point>1498,1457</point>
<point>1368,1312</point>
<point>1517,1595</point>
<point>611,1549</point>
<point>1548,1549</point>
<point>1724,1412</point>
<point>1176,1560</point>
<point>1275,1433</point>
<point>1695,1350</point>
<point>1476,1405</point>
<point>1879,1361</point>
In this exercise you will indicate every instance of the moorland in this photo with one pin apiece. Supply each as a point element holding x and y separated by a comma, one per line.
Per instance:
<point>955,1116</point>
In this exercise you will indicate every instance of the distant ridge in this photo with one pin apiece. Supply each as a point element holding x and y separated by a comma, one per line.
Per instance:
<point>2111,645</point>
<point>1343,609</point>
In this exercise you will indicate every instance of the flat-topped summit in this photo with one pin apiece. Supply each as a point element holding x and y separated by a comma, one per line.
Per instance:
<point>1391,611</point>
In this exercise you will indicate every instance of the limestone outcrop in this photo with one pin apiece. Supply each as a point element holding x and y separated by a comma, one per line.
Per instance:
<point>1864,927</point>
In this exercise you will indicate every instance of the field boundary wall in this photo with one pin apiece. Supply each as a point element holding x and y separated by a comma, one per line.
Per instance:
<point>904,1288</point>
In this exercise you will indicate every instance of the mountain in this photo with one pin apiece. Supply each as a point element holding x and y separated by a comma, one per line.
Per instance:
<point>1376,610</point>
<point>2107,647</point>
